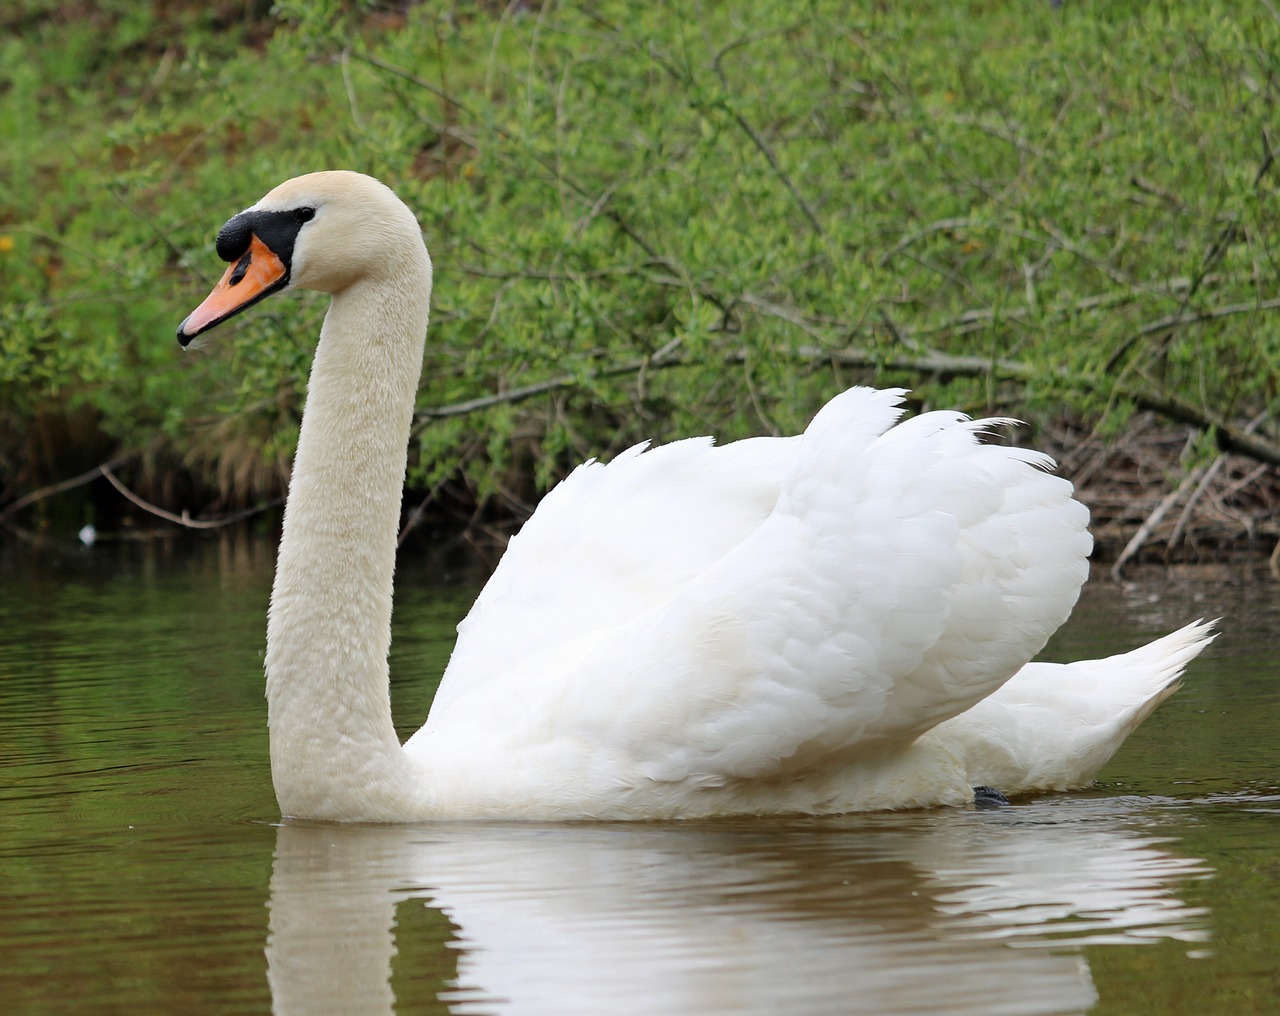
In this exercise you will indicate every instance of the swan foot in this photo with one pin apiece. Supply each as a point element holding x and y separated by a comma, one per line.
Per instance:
<point>988,797</point>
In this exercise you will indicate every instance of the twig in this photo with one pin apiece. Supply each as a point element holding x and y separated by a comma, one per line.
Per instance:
<point>105,470</point>
<point>415,516</point>
<point>1153,520</point>
<point>1207,477</point>
<point>926,361</point>
<point>1172,321</point>
<point>181,520</point>
<point>1217,250</point>
<point>1108,269</point>
<point>349,85</point>
<point>418,82</point>
<point>522,392</point>
<point>1151,187</point>
<point>974,318</point>
<point>805,323</point>
<point>776,166</point>
<point>941,226</point>
<point>518,394</point>
<point>1230,437</point>
<point>57,488</point>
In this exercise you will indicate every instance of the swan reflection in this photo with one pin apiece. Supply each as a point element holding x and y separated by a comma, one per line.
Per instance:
<point>870,914</point>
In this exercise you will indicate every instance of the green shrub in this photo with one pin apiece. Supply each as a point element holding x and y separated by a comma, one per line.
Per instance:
<point>663,219</point>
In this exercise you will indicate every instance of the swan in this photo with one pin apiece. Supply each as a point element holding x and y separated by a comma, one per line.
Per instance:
<point>835,621</point>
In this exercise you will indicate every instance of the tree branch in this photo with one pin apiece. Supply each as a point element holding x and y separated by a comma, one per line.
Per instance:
<point>184,519</point>
<point>1231,438</point>
<point>57,488</point>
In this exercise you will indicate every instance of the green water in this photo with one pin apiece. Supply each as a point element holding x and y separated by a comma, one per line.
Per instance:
<point>142,869</point>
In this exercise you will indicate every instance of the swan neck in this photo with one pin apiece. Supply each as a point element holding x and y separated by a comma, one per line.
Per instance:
<point>334,750</point>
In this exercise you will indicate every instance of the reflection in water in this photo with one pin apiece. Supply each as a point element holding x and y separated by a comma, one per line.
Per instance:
<point>870,914</point>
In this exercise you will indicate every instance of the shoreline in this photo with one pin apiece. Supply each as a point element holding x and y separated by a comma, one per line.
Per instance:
<point>1156,498</point>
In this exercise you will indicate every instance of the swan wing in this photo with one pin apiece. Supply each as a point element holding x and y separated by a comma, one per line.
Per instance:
<point>609,544</point>
<point>876,580</point>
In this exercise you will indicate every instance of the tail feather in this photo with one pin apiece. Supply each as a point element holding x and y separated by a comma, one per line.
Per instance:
<point>1054,726</point>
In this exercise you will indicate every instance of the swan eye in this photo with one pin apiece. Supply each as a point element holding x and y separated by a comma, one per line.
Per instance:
<point>305,214</point>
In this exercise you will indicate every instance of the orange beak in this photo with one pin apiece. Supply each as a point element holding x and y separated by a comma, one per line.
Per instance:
<point>258,273</point>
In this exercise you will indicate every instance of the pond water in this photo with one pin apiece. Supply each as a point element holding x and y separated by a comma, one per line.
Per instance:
<point>144,868</point>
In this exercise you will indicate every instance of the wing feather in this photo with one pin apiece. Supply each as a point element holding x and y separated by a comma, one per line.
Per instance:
<point>702,614</point>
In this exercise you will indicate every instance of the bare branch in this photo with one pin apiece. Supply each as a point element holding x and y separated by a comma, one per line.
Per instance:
<point>1153,520</point>
<point>776,166</point>
<point>57,488</point>
<point>941,226</point>
<point>181,520</point>
<point>1231,438</point>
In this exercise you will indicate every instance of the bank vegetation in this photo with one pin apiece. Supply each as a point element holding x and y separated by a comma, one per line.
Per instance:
<point>652,221</point>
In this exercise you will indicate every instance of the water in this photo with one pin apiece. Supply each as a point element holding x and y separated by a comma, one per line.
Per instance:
<point>143,868</point>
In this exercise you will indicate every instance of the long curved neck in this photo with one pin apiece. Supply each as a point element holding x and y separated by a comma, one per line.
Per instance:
<point>334,751</point>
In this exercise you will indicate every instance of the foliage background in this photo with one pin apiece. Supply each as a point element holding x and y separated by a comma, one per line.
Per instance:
<point>647,221</point>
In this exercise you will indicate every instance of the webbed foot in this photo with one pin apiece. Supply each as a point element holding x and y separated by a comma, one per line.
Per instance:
<point>988,797</point>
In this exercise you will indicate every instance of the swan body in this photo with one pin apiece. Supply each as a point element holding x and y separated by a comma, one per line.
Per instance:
<point>840,620</point>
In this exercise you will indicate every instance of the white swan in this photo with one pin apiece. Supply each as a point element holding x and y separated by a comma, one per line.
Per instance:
<point>830,622</point>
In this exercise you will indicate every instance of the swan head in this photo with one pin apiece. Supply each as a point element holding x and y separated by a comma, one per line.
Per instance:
<point>323,231</point>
